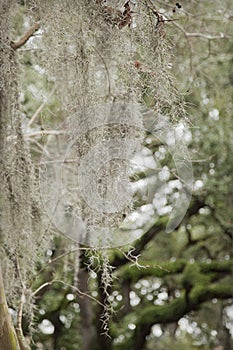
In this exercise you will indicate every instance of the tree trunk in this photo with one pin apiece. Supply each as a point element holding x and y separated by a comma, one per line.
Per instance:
<point>8,339</point>
<point>15,208</point>
<point>88,330</point>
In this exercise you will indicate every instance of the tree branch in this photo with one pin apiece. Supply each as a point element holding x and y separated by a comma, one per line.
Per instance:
<point>40,108</point>
<point>26,36</point>
<point>208,36</point>
<point>8,339</point>
<point>19,331</point>
<point>140,244</point>
<point>158,227</point>
<point>217,269</point>
<point>133,273</point>
<point>174,310</point>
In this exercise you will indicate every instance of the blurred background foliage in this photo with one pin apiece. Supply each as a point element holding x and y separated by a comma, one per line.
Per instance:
<point>157,305</point>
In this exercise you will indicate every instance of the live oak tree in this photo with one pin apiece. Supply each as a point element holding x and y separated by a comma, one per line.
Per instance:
<point>85,53</point>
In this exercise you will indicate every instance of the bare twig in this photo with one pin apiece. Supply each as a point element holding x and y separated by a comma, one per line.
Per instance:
<point>203,35</point>
<point>133,258</point>
<point>106,68</point>
<point>26,36</point>
<point>208,36</point>
<point>19,273</point>
<point>41,287</point>
<point>19,332</point>
<point>40,108</point>
<point>58,258</point>
<point>67,285</point>
<point>80,292</point>
<point>43,133</point>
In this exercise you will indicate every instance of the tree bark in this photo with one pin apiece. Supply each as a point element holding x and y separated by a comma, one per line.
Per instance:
<point>8,339</point>
<point>15,174</point>
<point>88,329</point>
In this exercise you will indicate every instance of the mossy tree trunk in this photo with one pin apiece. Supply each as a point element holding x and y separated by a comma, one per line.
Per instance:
<point>8,339</point>
<point>15,176</point>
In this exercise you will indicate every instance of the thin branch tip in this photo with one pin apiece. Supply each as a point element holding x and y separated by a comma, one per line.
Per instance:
<point>26,36</point>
